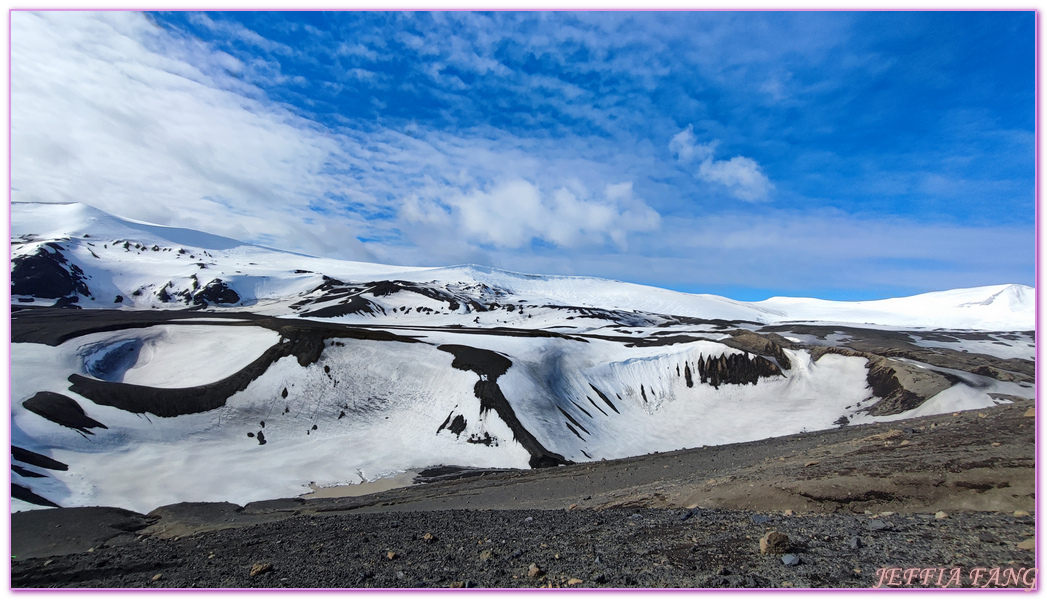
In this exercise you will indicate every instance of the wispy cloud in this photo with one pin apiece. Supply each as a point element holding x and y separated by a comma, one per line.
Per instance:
<point>141,139</point>
<point>780,252</point>
<point>741,175</point>
<point>513,214</point>
<point>99,118</point>
<point>641,146</point>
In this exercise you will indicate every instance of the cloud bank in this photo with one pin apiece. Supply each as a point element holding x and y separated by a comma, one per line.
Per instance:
<point>515,213</point>
<point>556,143</point>
<point>101,116</point>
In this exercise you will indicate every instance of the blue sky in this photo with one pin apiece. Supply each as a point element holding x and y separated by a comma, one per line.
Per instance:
<point>832,154</point>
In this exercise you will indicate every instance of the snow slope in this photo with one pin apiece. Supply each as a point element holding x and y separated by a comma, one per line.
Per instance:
<point>335,372</point>
<point>1009,307</point>
<point>265,277</point>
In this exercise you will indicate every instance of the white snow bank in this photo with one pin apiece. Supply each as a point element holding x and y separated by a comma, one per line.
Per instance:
<point>174,356</point>
<point>994,308</point>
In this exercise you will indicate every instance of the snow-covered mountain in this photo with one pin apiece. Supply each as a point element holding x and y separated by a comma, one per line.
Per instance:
<point>209,369</point>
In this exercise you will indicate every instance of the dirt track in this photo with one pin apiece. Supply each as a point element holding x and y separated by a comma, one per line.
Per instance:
<point>624,523</point>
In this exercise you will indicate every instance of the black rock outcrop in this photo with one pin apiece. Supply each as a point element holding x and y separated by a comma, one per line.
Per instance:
<point>62,410</point>
<point>490,365</point>
<point>215,292</point>
<point>46,274</point>
<point>456,425</point>
<point>350,306</point>
<point>734,368</point>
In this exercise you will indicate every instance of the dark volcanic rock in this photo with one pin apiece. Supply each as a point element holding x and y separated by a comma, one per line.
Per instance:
<point>350,306</point>
<point>215,292</point>
<point>37,460</point>
<point>735,369</point>
<point>70,530</point>
<point>162,295</point>
<point>456,425</point>
<point>62,410</point>
<point>20,492</point>
<point>67,302</point>
<point>755,343</point>
<point>490,365</point>
<point>45,275</point>
<point>901,386</point>
<point>490,549</point>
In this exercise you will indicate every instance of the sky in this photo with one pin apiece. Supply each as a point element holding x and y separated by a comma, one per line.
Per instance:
<point>840,155</point>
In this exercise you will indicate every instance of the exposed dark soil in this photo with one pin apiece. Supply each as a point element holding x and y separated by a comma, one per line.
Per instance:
<point>859,499</point>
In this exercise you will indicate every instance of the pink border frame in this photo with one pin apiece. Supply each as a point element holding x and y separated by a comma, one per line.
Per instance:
<point>1038,321</point>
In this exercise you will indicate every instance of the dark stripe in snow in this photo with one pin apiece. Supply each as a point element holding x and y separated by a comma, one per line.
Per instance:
<point>593,402</point>
<point>581,409</point>
<point>351,306</point>
<point>604,398</point>
<point>26,495</point>
<point>24,472</point>
<point>572,420</point>
<point>446,421</point>
<point>574,432</point>
<point>490,365</point>
<point>37,460</point>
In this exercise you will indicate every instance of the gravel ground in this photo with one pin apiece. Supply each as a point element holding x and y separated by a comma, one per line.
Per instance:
<point>947,495</point>
<point>652,548</point>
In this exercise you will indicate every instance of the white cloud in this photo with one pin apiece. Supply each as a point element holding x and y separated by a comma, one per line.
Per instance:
<point>99,118</point>
<point>742,176</point>
<point>776,87</point>
<point>110,110</point>
<point>802,254</point>
<point>239,32</point>
<point>513,213</point>
<point>347,49</point>
<point>687,149</point>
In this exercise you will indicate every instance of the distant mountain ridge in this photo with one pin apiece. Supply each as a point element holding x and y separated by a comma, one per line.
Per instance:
<point>105,250</point>
<point>154,365</point>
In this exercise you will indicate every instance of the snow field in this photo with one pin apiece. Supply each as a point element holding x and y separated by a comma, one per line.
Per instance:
<point>376,406</point>
<point>393,395</point>
<point>261,275</point>
<point>810,396</point>
<point>1023,348</point>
